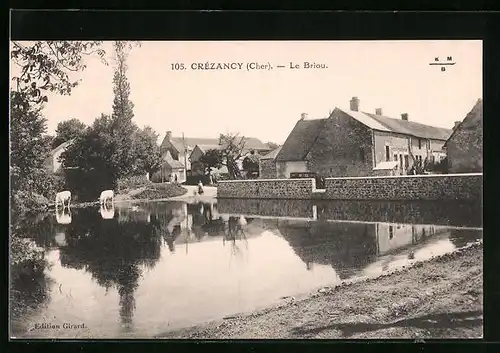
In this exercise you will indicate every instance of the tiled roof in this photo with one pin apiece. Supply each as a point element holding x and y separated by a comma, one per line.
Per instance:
<point>272,154</point>
<point>251,143</point>
<point>61,146</point>
<point>366,120</point>
<point>412,128</point>
<point>205,148</point>
<point>175,164</point>
<point>475,111</point>
<point>300,140</point>
<point>191,142</point>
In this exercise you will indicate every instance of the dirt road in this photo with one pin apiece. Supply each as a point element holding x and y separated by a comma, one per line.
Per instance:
<point>440,298</point>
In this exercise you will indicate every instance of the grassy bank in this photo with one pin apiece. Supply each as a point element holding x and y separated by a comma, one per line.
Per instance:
<point>440,298</point>
<point>158,191</point>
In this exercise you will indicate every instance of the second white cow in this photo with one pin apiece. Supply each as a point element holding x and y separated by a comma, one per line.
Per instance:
<point>106,195</point>
<point>63,197</point>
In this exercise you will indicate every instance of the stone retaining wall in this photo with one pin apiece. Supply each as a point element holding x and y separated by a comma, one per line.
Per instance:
<point>266,189</point>
<point>442,187</point>
<point>409,187</point>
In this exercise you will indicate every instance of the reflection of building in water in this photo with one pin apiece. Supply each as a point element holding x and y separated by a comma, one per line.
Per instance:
<point>392,236</point>
<point>170,223</point>
<point>347,247</point>
<point>462,237</point>
<point>60,239</point>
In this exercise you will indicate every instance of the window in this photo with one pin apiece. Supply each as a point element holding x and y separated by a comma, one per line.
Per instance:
<point>387,154</point>
<point>401,161</point>
<point>406,162</point>
<point>395,158</point>
<point>419,143</point>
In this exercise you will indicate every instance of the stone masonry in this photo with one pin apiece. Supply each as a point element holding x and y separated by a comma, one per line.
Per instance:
<point>442,187</point>
<point>415,187</point>
<point>266,189</point>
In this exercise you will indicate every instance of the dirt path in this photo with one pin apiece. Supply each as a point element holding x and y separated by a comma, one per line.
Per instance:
<point>441,298</point>
<point>209,194</point>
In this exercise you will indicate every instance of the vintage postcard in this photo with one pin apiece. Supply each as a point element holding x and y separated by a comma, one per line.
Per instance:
<point>246,189</point>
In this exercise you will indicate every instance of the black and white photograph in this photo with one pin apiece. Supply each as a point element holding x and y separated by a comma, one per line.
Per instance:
<point>249,189</point>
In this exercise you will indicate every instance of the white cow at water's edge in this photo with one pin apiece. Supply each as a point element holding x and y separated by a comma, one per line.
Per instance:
<point>62,197</point>
<point>106,195</point>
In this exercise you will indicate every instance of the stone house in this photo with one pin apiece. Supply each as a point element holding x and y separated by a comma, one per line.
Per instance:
<point>267,165</point>
<point>171,170</point>
<point>355,143</point>
<point>253,146</point>
<point>182,148</point>
<point>53,162</point>
<point>465,145</point>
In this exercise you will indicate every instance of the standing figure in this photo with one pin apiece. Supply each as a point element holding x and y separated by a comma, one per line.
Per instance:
<point>200,188</point>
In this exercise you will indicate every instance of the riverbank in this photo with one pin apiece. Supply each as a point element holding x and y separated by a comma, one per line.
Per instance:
<point>439,298</point>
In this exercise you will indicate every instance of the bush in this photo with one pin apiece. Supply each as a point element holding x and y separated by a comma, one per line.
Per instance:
<point>26,202</point>
<point>160,191</point>
<point>132,182</point>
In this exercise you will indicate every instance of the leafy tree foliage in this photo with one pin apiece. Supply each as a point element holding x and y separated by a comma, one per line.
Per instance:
<point>29,147</point>
<point>231,149</point>
<point>45,66</point>
<point>68,130</point>
<point>147,152</point>
<point>272,145</point>
<point>113,147</point>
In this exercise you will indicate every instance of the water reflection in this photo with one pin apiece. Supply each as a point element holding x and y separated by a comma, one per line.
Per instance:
<point>107,210</point>
<point>63,216</point>
<point>124,274</point>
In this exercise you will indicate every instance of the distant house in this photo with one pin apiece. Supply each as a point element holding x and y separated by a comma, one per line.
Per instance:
<point>267,165</point>
<point>171,170</point>
<point>250,165</point>
<point>354,143</point>
<point>465,145</point>
<point>53,162</point>
<point>253,146</point>
<point>197,168</point>
<point>181,148</point>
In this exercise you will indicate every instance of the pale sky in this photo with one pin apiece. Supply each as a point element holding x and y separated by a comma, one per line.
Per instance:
<point>395,76</point>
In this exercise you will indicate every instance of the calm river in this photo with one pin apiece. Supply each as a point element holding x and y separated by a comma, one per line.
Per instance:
<point>139,270</point>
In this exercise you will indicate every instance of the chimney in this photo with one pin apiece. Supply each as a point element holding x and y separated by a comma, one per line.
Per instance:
<point>169,135</point>
<point>378,111</point>
<point>355,104</point>
<point>303,116</point>
<point>404,116</point>
<point>456,124</point>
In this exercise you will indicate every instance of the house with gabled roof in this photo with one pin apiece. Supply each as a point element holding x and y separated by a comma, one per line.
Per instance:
<point>354,143</point>
<point>267,164</point>
<point>53,162</point>
<point>171,170</point>
<point>465,145</point>
<point>182,148</point>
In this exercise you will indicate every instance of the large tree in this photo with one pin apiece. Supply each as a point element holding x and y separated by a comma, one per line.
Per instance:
<point>29,146</point>
<point>46,66</point>
<point>123,128</point>
<point>68,130</point>
<point>147,153</point>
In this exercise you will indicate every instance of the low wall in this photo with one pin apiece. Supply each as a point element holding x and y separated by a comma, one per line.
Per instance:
<point>408,187</point>
<point>266,189</point>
